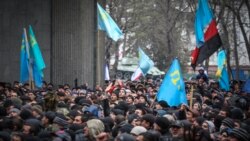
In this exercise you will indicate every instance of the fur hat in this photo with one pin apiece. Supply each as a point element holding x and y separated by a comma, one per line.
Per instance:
<point>38,109</point>
<point>95,126</point>
<point>137,130</point>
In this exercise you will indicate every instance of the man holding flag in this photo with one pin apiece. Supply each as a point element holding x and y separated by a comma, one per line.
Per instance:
<point>172,89</point>
<point>145,64</point>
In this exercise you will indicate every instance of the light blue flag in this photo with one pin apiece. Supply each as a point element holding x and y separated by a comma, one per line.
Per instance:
<point>24,62</point>
<point>222,73</point>
<point>203,18</point>
<point>36,59</point>
<point>172,89</point>
<point>145,63</point>
<point>106,23</point>
<point>221,62</point>
<point>224,80</point>
<point>37,76</point>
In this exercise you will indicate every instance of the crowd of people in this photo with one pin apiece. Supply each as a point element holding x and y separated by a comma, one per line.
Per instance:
<point>123,111</point>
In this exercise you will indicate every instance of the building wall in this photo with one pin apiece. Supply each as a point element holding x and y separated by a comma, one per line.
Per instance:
<point>14,16</point>
<point>66,32</point>
<point>73,46</point>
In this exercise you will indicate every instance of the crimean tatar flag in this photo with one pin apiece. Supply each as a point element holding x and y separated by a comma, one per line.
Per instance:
<point>36,59</point>
<point>172,89</point>
<point>24,62</point>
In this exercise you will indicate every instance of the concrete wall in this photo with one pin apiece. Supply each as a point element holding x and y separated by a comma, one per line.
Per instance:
<point>66,32</point>
<point>14,16</point>
<point>73,41</point>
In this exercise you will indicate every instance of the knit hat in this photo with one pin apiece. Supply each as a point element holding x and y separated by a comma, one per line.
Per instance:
<point>163,104</point>
<point>72,113</point>
<point>149,118</point>
<point>228,122</point>
<point>26,114</point>
<point>17,101</point>
<point>35,125</point>
<point>50,115</point>
<point>239,134</point>
<point>137,130</point>
<point>126,128</point>
<point>210,126</point>
<point>85,102</point>
<point>117,112</point>
<point>38,109</point>
<point>60,121</point>
<point>236,113</point>
<point>75,127</point>
<point>95,126</point>
<point>125,137</point>
<point>162,122</point>
<point>177,123</point>
<point>161,112</point>
<point>131,117</point>
<point>15,110</point>
<point>186,124</point>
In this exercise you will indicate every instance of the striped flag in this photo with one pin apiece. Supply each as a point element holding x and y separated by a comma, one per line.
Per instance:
<point>208,39</point>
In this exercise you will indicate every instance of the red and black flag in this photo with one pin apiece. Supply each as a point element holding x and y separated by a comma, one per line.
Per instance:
<point>208,39</point>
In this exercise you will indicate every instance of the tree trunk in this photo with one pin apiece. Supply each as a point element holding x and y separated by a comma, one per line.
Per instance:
<point>225,38</point>
<point>244,34</point>
<point>235,50</point>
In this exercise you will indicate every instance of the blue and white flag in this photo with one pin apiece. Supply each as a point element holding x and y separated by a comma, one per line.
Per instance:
<point>145,64</point>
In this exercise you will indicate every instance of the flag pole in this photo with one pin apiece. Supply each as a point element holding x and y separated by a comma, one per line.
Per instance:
<point>191,100</point>
<point>153,102</point>
<point>27,47</point>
